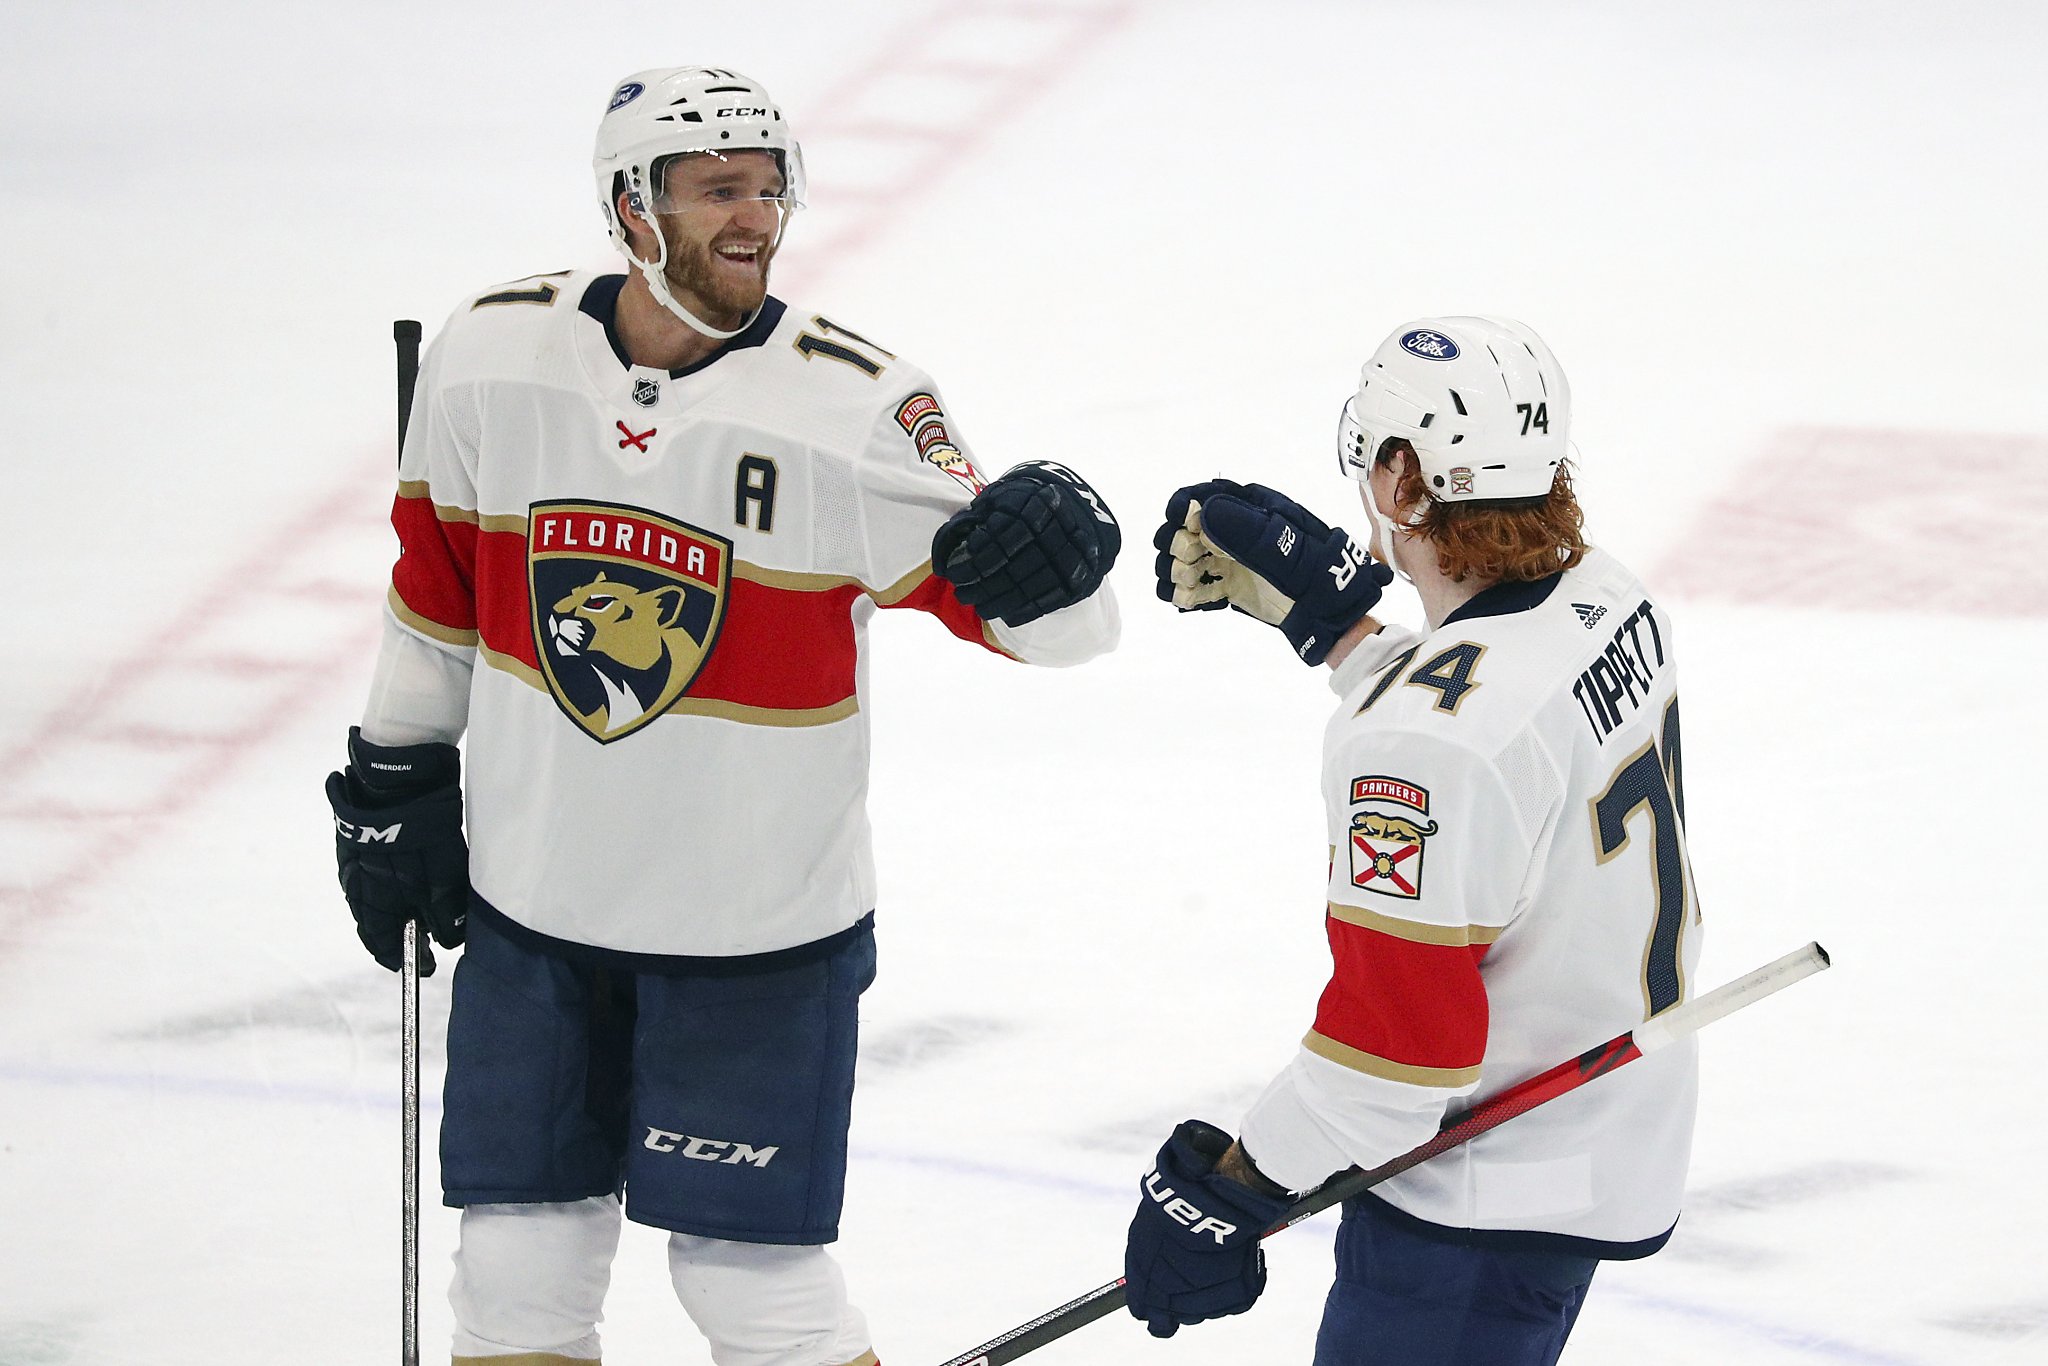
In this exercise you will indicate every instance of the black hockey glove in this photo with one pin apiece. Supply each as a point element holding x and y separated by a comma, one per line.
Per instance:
<point>1249,547</point>
<point>1193,1251</point>
<point>398,842</point>
<point>1036,540</point>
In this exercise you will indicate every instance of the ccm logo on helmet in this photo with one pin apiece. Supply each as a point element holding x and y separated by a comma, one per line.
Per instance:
<point>1429,345</point>
<point>624,95</point>
<point>743,113</point>
<point>1181,1212</point>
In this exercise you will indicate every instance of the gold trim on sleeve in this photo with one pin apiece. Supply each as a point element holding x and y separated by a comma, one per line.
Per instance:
<point>447,512</point>
<point>1414,931</point>
<point>447,635</point>
<point>1357,1060</point>
<point>903,587</point>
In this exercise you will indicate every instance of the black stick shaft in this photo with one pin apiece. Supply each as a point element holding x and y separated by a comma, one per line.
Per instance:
<point>405,333</point>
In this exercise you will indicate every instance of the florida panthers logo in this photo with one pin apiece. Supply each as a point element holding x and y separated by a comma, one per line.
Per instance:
<point>626,608</point>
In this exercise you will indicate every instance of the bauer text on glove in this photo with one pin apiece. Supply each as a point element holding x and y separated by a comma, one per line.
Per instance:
<point>1267,556</point>
<point>1193,1248</point>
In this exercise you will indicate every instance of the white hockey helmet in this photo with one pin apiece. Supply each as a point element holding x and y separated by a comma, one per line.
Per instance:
<point>1482,400</point>
<point>654,116</point>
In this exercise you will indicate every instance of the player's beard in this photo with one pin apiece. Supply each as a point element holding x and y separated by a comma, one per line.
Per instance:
<point>693,272</point>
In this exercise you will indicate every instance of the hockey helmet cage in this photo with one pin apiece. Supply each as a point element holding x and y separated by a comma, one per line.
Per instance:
<point>656,115</point>
<point>1482,400</point>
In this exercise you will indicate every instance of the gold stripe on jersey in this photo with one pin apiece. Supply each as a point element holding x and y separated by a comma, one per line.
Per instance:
<point>794,717</point>
<point>519,669</point>
<point>903,587</point>
<point>764,716</point>
<point>447,635</point>
<point>794,580</point>
<point>867,1358</point>
<point>914,580</point>
<point>1414,931</point>
<point>447,512</point>
<point>988,638</point>
<point>1357,1060</point>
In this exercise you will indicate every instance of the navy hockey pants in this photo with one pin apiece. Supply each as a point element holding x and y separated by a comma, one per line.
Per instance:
<point>1401,1299</point>
<point>717,1105</point>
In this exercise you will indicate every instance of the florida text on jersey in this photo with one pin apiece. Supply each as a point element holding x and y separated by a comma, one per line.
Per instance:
<point>663,582</point>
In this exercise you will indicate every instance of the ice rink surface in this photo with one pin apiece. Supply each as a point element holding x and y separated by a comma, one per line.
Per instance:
<point>1790,255</point>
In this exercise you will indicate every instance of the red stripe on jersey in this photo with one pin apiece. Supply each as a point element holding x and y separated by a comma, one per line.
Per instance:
<point>504,607</point>
<point>1422,1005</point>
<point>781,648</point>
<point>436,571</point>
<point>936,596</point>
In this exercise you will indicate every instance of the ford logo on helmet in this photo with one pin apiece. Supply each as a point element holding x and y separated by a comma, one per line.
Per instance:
<point>1429,345</point>
<point>624,95</point>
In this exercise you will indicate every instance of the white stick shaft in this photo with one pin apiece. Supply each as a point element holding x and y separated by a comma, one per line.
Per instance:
<point>1679,1021</point>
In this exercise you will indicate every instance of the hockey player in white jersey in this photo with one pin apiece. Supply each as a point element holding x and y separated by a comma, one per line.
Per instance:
<point>1508,881</point>
<point>645,520</point>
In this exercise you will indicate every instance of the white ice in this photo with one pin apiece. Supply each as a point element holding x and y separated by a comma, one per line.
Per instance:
<point>1153,241</point>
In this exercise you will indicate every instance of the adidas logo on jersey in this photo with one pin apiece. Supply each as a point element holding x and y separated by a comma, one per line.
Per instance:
<point>1588,613</point>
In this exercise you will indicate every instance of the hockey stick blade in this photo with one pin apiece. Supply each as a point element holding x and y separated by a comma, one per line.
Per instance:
<point>1667,1028</point>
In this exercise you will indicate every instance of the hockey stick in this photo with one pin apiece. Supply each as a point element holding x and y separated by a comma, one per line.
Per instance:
<point>406,334</point>
<point>1669,1027</point>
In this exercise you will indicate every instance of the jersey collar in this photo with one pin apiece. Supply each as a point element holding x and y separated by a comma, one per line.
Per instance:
<point>601,301</point>
<point>1505,599</point>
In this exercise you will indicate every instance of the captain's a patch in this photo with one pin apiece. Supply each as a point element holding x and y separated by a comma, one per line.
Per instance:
<point>924,422</point>
<point>1389,836</point>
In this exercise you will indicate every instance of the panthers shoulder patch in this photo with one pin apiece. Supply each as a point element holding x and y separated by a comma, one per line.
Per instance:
<point>924,422</point>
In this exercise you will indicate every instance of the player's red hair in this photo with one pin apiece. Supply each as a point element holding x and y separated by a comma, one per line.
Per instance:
<point>1494,543</point>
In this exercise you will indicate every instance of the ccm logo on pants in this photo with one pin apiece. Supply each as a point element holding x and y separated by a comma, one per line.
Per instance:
<point>710,1149</point>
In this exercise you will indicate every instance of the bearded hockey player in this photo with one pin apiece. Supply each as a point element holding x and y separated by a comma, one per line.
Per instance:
<point>645,519</point>
<point>1508,882</point>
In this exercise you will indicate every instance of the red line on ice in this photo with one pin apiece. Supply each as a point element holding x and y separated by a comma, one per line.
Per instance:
<point>65,735</point>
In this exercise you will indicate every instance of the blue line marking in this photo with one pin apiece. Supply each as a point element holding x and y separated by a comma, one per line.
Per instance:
<point>1817,1345</point>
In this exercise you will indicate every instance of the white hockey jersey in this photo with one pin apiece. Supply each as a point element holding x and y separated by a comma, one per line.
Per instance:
<point>645,595</point>
<point>1508,887</point>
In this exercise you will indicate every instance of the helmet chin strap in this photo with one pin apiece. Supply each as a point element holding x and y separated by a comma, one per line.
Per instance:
<point>1390,532</point>
<point>656,274</point>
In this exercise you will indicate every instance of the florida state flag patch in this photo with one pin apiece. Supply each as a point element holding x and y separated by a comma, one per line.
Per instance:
<point>1389,836</point>
<point>626,607</point>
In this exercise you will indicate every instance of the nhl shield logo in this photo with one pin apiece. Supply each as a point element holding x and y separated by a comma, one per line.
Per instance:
<point>646,392</point>
<point>626,608</point>
<point>1386,848</point>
